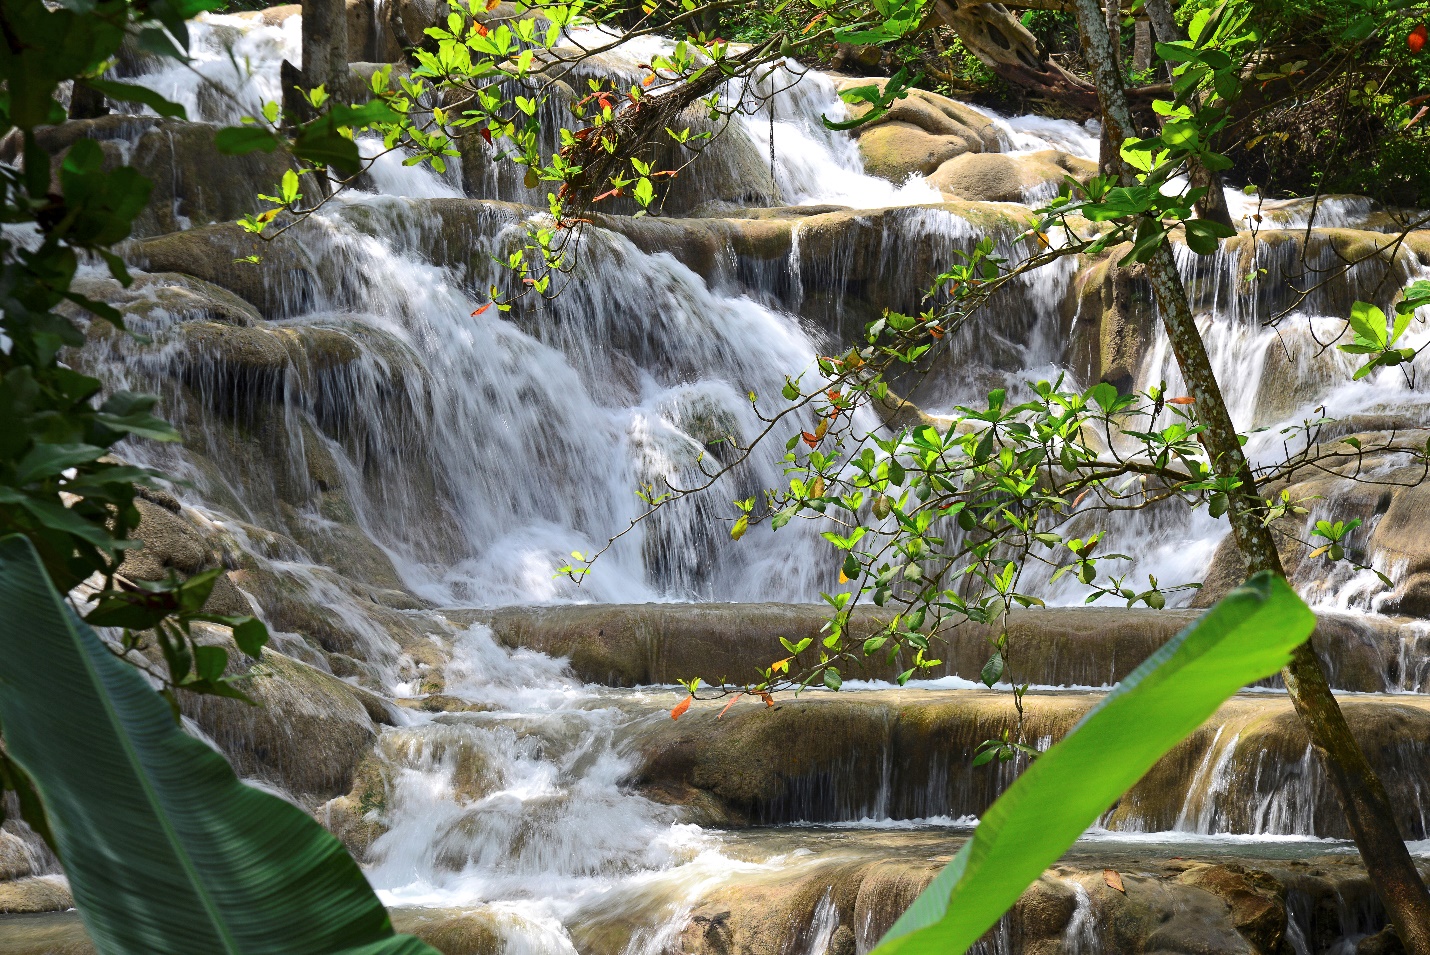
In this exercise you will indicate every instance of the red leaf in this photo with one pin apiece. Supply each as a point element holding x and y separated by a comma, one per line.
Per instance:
<point>681,707</point>
<point>811,440</point>
<point>482,309</point>
<point>487,135</point>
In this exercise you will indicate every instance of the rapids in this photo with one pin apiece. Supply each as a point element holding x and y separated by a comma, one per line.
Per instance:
<point>476,451</point>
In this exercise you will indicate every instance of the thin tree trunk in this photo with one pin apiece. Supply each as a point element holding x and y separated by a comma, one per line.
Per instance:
<point>1363,799</point>
<point>1110,154</point>
<point>325,46</point>
<point>1213,204</point>
<point>1141,46</point>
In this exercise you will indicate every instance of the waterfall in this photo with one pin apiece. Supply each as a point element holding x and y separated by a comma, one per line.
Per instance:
<point>376,451</point>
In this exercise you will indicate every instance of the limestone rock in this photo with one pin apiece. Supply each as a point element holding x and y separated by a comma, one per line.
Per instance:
<point>193,183</point>
<point>1256,899</point>
<point>919,133</point>
<point>996,177</point>
<point>453,932</point>
<point>308,734</point>
<point>43,893</point>
<point>16,859</point>
<point>171,543</point>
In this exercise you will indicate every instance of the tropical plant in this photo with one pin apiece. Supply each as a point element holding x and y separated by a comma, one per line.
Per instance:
<point>165,850</point>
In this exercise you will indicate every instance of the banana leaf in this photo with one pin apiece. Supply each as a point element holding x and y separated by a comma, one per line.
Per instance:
<point>1247,636</point>
<point>165,850</point>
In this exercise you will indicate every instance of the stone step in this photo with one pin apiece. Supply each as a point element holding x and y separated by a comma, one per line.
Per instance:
<point>639,644</point>
<point>907,754</point>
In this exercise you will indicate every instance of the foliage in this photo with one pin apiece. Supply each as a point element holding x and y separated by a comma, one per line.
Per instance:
<point>165,850</point>
<point>1247,636</point>
<point>63,483</point>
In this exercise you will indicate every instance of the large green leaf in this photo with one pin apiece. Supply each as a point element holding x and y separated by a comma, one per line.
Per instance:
<point>166,851</point>
<point>1247,636</point>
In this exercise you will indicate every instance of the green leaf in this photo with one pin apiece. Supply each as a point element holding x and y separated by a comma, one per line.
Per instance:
<point>129,93</point>
<point>1104,394</point>
<point>241,140</point>
<point>1368,322</point>
<point>1203,235</point>
<point>992,670</point>
<point>167,853</point>
<point>1249,635</point>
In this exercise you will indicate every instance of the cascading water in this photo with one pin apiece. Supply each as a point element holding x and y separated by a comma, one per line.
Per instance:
<point>430,445</point>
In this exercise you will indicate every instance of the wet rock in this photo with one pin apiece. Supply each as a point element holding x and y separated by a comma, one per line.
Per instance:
<point>192,182</point>
<point>168,296</point>
<point>995,177</point>
<point>16,859</point>
<point>1111,316</point>
<point>630,645</point>
<point>453,932</point>
<point>280,282</point>
<point>908,754</point>
<point>356,818</point>
<point>919,133</point>
<point>174,545</point>
<point>1257,901</point>
<point>308,734</point>
<point>44,893</point>
<point>1384,942</point>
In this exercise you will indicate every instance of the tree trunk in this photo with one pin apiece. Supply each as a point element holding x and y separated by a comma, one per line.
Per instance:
<point>1363,799</point>
<point>87,103</point>
<point>1213,204</point>
<point>1109,154</point>
<point>325,46</point>
<point>1004,45</point>
<point>1142,46</point>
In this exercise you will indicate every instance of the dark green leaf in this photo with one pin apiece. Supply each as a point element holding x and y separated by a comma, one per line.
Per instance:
<point>167,853</point>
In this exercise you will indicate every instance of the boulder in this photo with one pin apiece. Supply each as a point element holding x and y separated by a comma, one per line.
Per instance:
<point>307,735</point>
<point>919,133</point>
<point>43,893</point>
<point>997,177</point>
<point>193,184</point>
<point>172,544</point>
<point>454,931</point>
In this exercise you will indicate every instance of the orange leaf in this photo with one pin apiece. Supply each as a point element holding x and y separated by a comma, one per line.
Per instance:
<point>482,309</point>
<point>648,80</point>
<point>810,25</point>
<point>1184,400</point>
<point>1113,880</point>
<point>781,666</point>
<point>1079,499</point>
<point>769,700</point>
<point>481,29</point>
<point>936,331</point>
<point>810,439</point>
<point>681,707</point>
<point>492,5</point>
<point>732,702</point>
